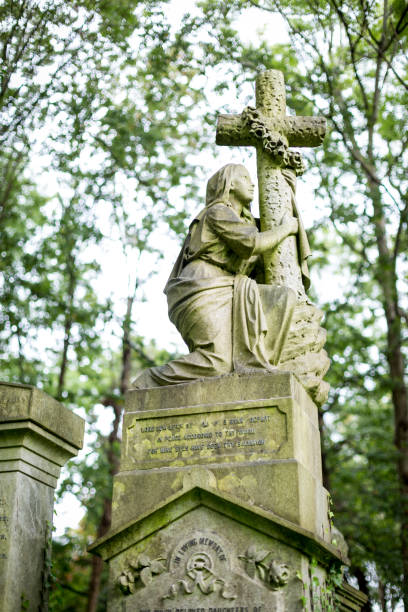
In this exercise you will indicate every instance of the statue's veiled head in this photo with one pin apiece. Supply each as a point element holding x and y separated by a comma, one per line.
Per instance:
<point>220,184</point>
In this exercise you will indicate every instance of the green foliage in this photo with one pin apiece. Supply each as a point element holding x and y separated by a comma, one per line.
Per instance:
<point>112,98</point>
<point>89,478</point>
<point>91,91</point>
<point>71,572</point>
<point>359,446</point>
<point>348,62</point>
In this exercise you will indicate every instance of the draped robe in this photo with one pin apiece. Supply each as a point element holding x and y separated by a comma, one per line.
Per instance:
<point>228,321</point>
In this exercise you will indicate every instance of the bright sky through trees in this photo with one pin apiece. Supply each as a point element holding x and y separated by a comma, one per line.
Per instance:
<point>153,322</point>
<point>104,165</point>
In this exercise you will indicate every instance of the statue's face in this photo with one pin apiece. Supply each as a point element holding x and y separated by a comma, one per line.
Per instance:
<point>242,186</point>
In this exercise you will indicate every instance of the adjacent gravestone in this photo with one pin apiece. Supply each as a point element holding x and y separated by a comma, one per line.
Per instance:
<point>219,503</point>
<point>37,437</point>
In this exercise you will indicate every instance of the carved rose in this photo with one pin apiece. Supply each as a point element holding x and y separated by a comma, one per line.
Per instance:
<point>278,574</point>
<point>295,162</point>
<point>253,562</point>
<point>258,564</point>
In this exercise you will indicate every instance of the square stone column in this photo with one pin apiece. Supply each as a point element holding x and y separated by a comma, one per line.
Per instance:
<point>37,437</point>
<point>253,436</point>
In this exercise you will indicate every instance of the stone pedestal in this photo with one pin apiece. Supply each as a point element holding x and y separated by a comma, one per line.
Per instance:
<point>219,503</point>
<point>37,437</point>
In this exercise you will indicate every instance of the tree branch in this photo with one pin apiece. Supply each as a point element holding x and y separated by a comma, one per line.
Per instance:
<point>144,356</point>
<point>352,46</point>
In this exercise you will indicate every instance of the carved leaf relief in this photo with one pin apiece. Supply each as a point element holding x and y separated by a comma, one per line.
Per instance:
<point>139,572</point>
<point>260,564</point>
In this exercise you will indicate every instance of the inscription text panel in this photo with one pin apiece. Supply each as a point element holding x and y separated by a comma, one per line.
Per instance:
<point>184,439</point>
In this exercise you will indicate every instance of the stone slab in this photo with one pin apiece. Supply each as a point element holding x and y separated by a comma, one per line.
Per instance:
<point>235,418</point>
<point>220,433</point>
<point>24,402</point>
<point>30,458</point>
<point>191,549</point>
<point>219,503</point>
<point>248,433</point>
<point>28,448</point>
<point>232,387</point>
<point>349,599</point>
<point>284,487</point>
<point>204,434</point>
<point>26,507</point>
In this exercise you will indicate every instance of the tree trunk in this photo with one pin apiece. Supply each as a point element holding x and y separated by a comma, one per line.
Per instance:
<point>381,596</point>
<point>387,278</point>
<point>67,325</point>
<point>64,358</point>
<point>126,350</point>
<point>112,457</point>
<point>325,468</point>
<point>363,586</point>
<point>97,562</point>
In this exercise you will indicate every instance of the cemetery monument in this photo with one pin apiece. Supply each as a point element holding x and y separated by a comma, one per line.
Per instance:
<point>219,503</point>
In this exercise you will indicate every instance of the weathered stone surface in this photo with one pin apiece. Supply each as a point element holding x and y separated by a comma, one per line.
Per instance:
<point>25,402</point>
<point>237,295</point>
<point>229,321</point>
<point>234,388</point>
<point>204,516</point>
<point>37,436</point>
<point>285,487</point>
<point>25,531</point>
<point>275,132</point>
<point>305,334</point>
<point>219,503</point>
<point>203,550</point>
<point>300,131</point>
<point>253,447</point>
<point>349,599</point>
<point>271,131</point>
<point>303,351</point>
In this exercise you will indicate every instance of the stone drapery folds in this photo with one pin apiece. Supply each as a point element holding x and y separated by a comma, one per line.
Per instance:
<point>228,320</point>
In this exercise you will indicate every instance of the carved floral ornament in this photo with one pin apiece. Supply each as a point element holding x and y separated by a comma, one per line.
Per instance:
<point>258,563</point>
<point>274,145</point>
<point>200,575</point>
<point>139,572</point>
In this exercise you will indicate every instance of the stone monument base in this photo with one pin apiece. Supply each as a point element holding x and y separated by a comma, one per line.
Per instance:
<point>219,503</point>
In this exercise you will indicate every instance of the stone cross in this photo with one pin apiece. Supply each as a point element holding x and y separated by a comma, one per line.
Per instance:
<point>271,131</point>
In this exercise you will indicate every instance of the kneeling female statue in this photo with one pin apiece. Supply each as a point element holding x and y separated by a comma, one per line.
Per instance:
<point>229,319</point>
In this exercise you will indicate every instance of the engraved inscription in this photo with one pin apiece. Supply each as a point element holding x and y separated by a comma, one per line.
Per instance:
<point>202,542</point>
<point>234,608</point>
<point>4,525</point>
<point>230,434</point>
<point>200,564</point>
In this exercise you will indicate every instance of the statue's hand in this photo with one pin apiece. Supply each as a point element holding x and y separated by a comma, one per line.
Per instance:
<point>269,239</point>
<point>291,223</point>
